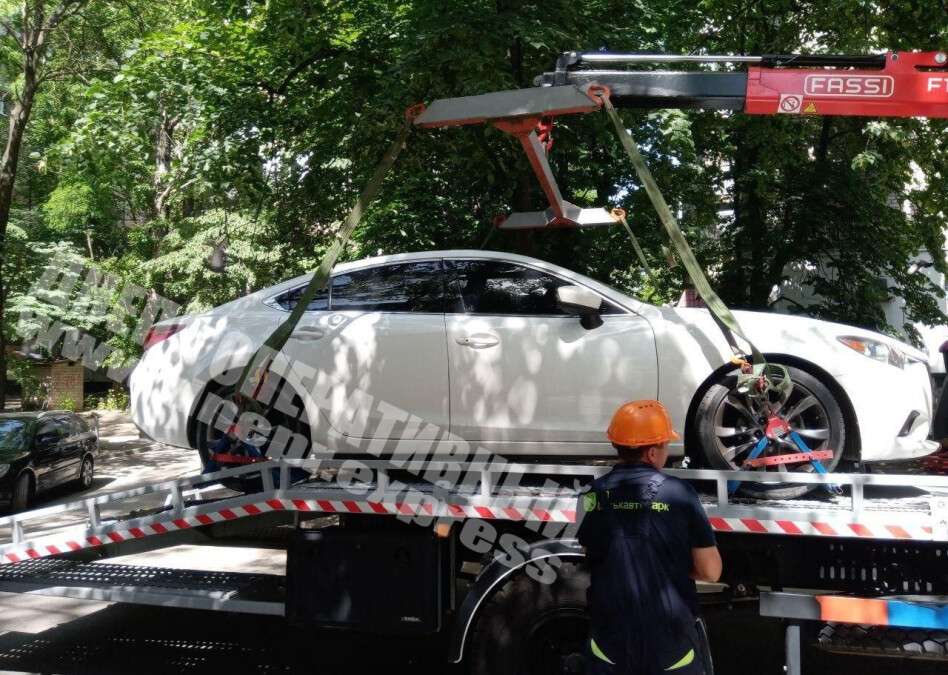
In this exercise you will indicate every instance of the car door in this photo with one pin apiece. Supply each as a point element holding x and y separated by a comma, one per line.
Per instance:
<point>47,443</point>
<point>525,373</point>
<point>379,350</point>
<point>71,449</point>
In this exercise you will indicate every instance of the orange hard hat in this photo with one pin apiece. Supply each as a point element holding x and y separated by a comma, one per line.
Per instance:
<point>639,423</point>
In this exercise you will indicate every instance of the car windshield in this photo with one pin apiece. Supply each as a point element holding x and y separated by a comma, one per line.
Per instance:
<point>12,435</point>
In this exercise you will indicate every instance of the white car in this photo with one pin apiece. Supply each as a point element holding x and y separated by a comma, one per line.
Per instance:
<point>435,351</point>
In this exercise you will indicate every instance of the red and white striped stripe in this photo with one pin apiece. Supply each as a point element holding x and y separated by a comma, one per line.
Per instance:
<point>821,528</point>
<point>559,511</point>
<point>63,543</point>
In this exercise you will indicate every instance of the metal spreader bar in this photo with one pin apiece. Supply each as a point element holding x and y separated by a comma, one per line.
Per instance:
<point>520,112</point>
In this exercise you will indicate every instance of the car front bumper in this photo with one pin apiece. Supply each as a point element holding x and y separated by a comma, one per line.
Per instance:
<point>893,408</point>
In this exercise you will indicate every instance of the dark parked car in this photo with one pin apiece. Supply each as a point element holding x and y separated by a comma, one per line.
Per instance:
<point>40,450</point>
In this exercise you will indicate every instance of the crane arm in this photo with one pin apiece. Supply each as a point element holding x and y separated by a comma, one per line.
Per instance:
<point>896,84</point>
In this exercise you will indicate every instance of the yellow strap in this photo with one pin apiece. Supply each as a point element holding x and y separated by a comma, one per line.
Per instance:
<point>684,661</point>
<point>599,655</point>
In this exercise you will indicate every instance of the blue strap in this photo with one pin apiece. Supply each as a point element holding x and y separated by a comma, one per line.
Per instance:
<point>732,485</point>
<point>832,488</point>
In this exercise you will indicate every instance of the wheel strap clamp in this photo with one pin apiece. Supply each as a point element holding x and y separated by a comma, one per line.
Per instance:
<point>798,458</point>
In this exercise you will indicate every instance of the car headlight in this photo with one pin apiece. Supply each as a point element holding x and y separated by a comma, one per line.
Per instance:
<point>874,349</point>
<point>4,468</point>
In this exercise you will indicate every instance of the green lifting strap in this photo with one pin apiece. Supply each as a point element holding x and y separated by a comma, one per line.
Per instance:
<point>620,214</point>
<point>775,376</point>
<point>258,365</point>
<point>717,307</point>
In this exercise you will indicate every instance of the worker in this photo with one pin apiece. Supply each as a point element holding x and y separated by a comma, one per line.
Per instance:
<point>647,540</point>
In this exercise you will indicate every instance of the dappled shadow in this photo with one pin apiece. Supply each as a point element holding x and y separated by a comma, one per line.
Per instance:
<point>127,639</point>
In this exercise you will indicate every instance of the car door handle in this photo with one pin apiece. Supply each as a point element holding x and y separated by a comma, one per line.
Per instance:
<point>308,333</point>
<point>478,340</point>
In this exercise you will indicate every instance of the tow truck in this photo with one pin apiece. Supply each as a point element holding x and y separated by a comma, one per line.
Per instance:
<point>373,546</point>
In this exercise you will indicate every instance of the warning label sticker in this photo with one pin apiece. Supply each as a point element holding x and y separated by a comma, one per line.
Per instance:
<point>790,104</point>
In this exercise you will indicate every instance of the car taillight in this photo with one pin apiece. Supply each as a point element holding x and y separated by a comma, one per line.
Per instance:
<point>158,333</point>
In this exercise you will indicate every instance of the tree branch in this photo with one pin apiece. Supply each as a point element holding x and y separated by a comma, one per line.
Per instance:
<point>63,12</point>
<point>12,32</point>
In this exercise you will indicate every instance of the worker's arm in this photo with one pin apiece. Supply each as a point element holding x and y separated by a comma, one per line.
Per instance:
<point>706,564</point>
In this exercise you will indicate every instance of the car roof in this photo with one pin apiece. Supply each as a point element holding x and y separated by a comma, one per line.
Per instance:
<point>267,295</point>
<point>432,255</point>
<point>32,414</point>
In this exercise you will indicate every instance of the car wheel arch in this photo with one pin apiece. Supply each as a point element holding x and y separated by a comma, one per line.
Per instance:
<point>215,384</point>
<point>853,442</point>
<point>34,484</point>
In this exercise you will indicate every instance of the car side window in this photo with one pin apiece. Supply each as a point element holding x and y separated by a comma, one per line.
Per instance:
<point>403,287</point>
<point>77,425</point>
<point>51,432</point>
<point>497,287</point>
<point>290,299</point>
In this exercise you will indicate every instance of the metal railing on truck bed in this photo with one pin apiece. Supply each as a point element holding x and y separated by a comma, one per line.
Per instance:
<point>885,507</point>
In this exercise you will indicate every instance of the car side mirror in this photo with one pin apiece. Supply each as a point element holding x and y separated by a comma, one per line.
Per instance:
<point>580,302</point>
<point>45,441</point>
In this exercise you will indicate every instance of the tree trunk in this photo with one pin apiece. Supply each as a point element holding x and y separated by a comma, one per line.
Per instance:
<point>3,346</point>
<point>163,159</point>
<point>19,116</point>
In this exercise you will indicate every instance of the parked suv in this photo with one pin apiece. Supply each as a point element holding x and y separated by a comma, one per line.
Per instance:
<point>41,450</point>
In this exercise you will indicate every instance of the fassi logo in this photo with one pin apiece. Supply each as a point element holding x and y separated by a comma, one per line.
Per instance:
<point>872,86</point>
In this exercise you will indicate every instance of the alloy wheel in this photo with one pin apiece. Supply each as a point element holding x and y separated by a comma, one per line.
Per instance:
<point>741,421</point>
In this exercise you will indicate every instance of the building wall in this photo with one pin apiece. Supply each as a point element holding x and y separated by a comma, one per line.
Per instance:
<point>66,382</point>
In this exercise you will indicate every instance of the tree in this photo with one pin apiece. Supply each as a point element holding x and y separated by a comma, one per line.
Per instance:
<point>235,123</point>
<point>26,30</point>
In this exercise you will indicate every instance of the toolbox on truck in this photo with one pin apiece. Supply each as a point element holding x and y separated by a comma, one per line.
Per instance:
<point>391,582</point>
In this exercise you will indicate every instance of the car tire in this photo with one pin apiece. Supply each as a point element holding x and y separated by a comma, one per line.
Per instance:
<point>727,431</point>
<point>530,628</point>
<point>206,433</point>
<point>22,494</point>
<point>86,473</point>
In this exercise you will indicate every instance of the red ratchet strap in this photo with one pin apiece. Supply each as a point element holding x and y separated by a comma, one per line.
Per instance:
<point>796,458</point>
<point>228,458</point>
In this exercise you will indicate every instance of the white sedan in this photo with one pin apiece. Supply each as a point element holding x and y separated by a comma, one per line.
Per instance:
<point>431,352</point>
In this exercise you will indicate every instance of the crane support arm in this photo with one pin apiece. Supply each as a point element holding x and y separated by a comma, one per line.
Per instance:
<point>896,84</point>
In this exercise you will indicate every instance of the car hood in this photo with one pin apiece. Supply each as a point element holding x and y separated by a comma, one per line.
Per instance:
<point>773,332</point>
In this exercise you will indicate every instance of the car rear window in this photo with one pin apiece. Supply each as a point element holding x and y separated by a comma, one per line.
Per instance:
<point>404,287</point>
<point>291,298</point>
<point>79,425</point>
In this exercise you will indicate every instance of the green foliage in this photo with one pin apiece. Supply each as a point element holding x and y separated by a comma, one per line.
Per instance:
<point>250,128</point>
<point>34,390</point>
<point>115,398</point>
<point>71,208</point>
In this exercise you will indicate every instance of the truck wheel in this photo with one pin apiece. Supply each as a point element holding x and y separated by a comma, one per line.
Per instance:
<point>22,493</point>
<point>729,426</point>
<point>531,628</point>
